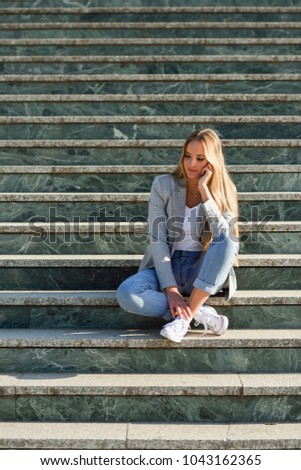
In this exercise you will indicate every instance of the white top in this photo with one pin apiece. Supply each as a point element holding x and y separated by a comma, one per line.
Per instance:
<point>188,243</point>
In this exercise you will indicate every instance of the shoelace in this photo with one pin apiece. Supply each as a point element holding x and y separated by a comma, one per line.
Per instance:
<point>206,318</point>
<point>179,325</point>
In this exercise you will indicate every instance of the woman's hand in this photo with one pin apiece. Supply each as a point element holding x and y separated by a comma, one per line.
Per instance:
<point>177,304</point>
<point>206,176</point>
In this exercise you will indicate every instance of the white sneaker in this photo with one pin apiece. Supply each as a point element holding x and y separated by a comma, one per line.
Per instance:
<point>209,317</point>
<point>176,329</point>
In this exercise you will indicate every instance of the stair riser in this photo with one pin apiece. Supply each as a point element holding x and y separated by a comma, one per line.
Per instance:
<point>148,17</point>
<point>95,360</point>
<point>143,3</point>
<point>129,212</point>
<point>146,131</point>
<point>81,316</point>
<point>146,86</point>
<point>152,409</point>
<point>245,182</point>
<point>281,32</point>
<point>141,156</point>
<point>184,108</point>
<point>147,49</point>
<point>83,243</point>
<point>110,278</point>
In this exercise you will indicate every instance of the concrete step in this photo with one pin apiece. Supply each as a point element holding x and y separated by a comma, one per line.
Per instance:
<point>133,197</point>
<point>148,436</point>
<point>78,42</point>
<point>139,126</point>
<point>214,398</point>
<point>149,9</point>
<point>108,260</point>
<point>96,178</point>
<point>144,339</point>
<point>153,25</point>
<point>142,83</point>
<point>242,385</point>
<point>99,309</point>
<point>138,350</point>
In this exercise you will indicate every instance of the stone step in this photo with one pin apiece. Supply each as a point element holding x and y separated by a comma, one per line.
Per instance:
<point>145,351</point>
<point>99,309</point>
<point>50,120</point>
<point>82,207</point>
<point>149,9</point>
<point>158,104</point>
<point>108,298</point>
<point>133,197</point>
<point>191,398</point>
<point>93,237</point>
<point>162,41</point>
<point>150,98</point>
<point>132,227</point>
<point>253,178</point>
<point>153,83</point>
<point>140,52</point>
<point>139,126</point>
<point>147,155</point>
<point>242,385</point>
<point>153,25</point>
<point>146,436</point>
<point>251,260</point>
<point>93,272</point>
<point>136,169</point>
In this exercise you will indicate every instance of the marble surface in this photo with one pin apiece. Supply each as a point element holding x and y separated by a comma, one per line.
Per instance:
<point>186,108</point>
<point>151,86</point>
<point>94,360</point>
<point>145,131</point>
<point>93,183</point>
<point>240,317</point>
<point>162,409</point>
<point>141,156</point>
<point>81,243</point>
<point>151,3</point>
<point>143,17</point>
<point>109,278</point>
<point>89,211</point>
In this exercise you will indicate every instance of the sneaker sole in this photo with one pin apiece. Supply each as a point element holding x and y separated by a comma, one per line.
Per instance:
<point>170,336</point>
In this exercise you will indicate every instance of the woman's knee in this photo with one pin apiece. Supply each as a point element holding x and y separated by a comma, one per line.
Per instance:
<point>123,294</point>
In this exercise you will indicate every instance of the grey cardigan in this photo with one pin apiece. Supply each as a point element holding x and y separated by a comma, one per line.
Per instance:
<point>166,210</point>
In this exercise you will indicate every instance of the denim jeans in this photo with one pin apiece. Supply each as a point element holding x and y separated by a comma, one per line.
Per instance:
<point>141,293</point>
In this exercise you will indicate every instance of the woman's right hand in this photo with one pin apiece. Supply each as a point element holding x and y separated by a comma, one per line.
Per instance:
<point>177,304</point>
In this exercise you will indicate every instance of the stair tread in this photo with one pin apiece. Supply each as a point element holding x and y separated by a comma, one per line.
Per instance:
<point>135,197</point>
<point>108,297</point>
<point>138,338</point>
<point>149,436</point>
<point>263,260</point>
<point>158,97</point>
<point>150,384</point>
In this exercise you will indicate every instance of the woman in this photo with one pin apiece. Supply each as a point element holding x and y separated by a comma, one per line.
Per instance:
<point>193,233</point>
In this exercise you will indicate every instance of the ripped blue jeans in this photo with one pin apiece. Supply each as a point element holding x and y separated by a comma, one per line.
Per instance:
<point>141,293</point>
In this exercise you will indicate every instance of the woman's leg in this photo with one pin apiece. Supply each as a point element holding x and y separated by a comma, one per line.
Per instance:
<point>141,294</point>
<point>212,270</point>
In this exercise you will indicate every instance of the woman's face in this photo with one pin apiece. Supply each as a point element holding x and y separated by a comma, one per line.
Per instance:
<point>194,160</point>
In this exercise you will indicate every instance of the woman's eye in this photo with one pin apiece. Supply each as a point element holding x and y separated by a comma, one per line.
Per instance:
<point>186,156</point>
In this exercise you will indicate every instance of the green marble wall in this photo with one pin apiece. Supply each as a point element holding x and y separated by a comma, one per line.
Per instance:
<point>214,409</point>
<point>82,316</point>
<point>98,360</point>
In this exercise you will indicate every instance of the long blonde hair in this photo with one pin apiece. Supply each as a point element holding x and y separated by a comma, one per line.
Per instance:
<point>221,186</point>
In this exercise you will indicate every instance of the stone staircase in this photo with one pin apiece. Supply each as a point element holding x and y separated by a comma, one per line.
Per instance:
<point>95,101</point>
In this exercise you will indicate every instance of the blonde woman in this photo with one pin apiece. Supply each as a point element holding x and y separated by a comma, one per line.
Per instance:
<point>193,242</point>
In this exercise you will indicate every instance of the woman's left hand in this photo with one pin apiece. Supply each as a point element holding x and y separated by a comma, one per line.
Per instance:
<point>206,176</point>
